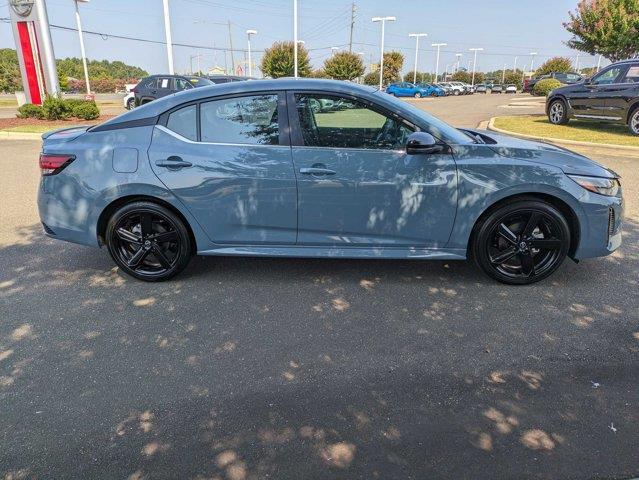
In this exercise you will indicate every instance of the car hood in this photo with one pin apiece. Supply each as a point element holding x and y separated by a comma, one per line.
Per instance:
<point>545,153</point>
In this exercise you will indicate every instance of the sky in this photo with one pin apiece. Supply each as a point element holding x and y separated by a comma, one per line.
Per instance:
<point>505,29</point>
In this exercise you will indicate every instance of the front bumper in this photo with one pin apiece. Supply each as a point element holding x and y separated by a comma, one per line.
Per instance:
<point>601,235</point>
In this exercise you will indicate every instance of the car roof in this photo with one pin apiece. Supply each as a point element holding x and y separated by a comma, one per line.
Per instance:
<point>161,105</point>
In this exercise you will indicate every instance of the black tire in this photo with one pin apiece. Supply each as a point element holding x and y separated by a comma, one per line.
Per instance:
<point>557,112</point>
<point>148,241</point>
<point>130,104</point>
<point>633,121</point>
<point>455,92</point>
<point>522,242</point>
<point>417,95</point>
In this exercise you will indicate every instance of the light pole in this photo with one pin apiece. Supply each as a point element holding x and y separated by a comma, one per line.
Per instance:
<point>167,30</point>
<point>295,40</point>
<point>458,57</point>
<point>250,65</point>
<point>599,63</point>
<point>503,75</point>
<point>532,61</point>
<point>333,50</point>
<point>515,65</point>
<point>416,35</point>
<point>438,45</point>
<point>577,64</point>
<point>475,62</point>
<point>84,57</point>
<point>381,60</point>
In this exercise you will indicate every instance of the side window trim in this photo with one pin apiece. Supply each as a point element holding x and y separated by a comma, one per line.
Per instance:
<point>283,119</point>
<point>297,140</point>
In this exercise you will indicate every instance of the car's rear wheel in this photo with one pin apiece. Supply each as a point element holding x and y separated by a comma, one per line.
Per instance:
<point>521,243</point>
<point>417,95</point>
<point>557,114</point>
<point>633,124</point>
<point>456,92</point>
<point>148,241</point>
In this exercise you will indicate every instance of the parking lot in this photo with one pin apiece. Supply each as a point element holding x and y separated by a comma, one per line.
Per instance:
<point>249,368</point>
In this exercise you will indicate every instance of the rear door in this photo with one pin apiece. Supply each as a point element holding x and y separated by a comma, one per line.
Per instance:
<point>620,95</point>
<point>165,86</point>
<point>357,186</point>
<point>229,161</point>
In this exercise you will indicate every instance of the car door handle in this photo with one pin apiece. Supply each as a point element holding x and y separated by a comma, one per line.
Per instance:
<point>173,163</point>
<point>316,171</point>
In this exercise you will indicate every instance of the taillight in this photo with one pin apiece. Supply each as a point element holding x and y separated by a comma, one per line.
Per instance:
<point>51,164</point>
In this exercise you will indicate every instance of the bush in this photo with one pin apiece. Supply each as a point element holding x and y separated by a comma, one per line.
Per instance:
<point>56,109</point>
<point>85,110</point>
<point>29,110</point>
<point>543,87</point>
<point>344,66</point>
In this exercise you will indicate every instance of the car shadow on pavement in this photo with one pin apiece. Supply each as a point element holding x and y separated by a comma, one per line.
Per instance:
<point>246,368</point>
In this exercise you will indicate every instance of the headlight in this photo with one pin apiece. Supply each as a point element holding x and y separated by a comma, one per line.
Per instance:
<point>603,186</point>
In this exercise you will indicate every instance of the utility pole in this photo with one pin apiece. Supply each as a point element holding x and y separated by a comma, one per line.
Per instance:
<point>475,62</point>
<point>381,60</point>
<point>350,40</point>
<point>416,35</point>
<point>437,61</point>
<point>84,56</point>
<point>167,29</point>
<point>231,47</point>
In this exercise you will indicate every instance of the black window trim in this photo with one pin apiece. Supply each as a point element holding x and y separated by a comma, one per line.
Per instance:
<point>282,117</point>
<point>297,139</point>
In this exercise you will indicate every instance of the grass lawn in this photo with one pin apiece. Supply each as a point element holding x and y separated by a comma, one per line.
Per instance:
<point>579,130</point>
<point>8,103</point>
<point>36,128</point>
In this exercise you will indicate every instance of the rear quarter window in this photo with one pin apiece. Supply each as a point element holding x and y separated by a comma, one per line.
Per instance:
<point>184,122</point>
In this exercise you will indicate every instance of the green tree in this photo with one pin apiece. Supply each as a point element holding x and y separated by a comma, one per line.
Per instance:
<point>555,64</point>
<point>278,61</point>
<point>344,66</point>
<point>393,63</point>
<point>9,71</point>
<point>422,77</point>
<point>606,27</point>
<point>371,78</point>
<point>463,76</point>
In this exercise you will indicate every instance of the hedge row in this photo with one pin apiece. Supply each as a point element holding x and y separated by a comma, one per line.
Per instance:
<point>60,109</point>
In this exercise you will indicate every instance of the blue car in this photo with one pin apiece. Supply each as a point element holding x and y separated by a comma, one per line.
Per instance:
<point>406,89</point>
<point>433,90</point>
<point>252,169</point>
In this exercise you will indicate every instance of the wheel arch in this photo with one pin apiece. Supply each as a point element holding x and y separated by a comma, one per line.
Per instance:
<point>564,208</point>
<point>557,96</point>
<point>108,211</point>
<point>633,108</point>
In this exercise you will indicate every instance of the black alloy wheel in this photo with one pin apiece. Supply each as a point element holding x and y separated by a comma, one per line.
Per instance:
<point>522,243</point>
<point>148,241</point>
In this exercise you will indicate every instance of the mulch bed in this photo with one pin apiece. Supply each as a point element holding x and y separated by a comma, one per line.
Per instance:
<point>18,122</point>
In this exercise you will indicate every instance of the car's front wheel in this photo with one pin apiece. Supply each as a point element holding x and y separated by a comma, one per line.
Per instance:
<point>417,95</point>
<point>557,113</point>
<point>130,104</point>
<point>633,124</point>
<point>521,243</point>
<point>148,241</point>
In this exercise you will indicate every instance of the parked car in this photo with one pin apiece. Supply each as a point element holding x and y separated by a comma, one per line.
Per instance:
<point>565,78</point>
<point>446,88</point>
<point>227,78</point>
<point>496,88</point>
<point>407,89</point>
<point>511,88</point>
<point>129,100</point>
<point>481,88</point>
<point>470,89</point>
<point>248,168</point>
<point>158,86</point>
<point>432,90</point>
<point>457,88</point>
<point>611,95</point>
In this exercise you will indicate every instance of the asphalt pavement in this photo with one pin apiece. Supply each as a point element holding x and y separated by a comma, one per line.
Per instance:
<point>247,368</point>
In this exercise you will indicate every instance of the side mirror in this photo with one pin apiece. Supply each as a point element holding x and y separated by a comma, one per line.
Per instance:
<point>420,143</point>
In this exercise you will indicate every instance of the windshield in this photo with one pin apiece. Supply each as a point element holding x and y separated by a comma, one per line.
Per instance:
<point>431,124</point>
<point>199,81</point>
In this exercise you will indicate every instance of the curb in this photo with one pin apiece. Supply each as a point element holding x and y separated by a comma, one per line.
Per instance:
<point>605,146</point>
<point>20,136</point>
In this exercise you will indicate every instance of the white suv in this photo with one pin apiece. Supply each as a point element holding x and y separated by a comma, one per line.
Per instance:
<point>457,87</point>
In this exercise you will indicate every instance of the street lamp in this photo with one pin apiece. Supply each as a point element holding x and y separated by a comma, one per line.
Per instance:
<point>532,60</point>
<point>416,35</point>
<point>167,30</point>
<point>84,57</point>
<point>295,39</point>
<point>250,66</point>
<point>475,62</point>
<point>381,60</point>
<point>515,65</point>
<point>437,61</point>
<point>458,57</point>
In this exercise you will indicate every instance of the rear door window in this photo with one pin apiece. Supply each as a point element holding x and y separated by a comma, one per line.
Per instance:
<point>184,122</point>
<point>241,120</point>
<point>164,83</point>
<point>632,76</point>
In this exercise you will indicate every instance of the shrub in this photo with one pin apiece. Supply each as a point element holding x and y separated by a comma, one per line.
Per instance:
<point>344,66</point>
<point>56,109</point>
<point>29,110</point>
<point>543,87</point>
<point>278,62</point>
<point>86,110</point>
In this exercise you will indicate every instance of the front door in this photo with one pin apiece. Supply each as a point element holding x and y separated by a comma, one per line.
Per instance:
<point>165,87</point>
<point>356,184</point>
<point>587,99</point>
<point>235,172</point>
